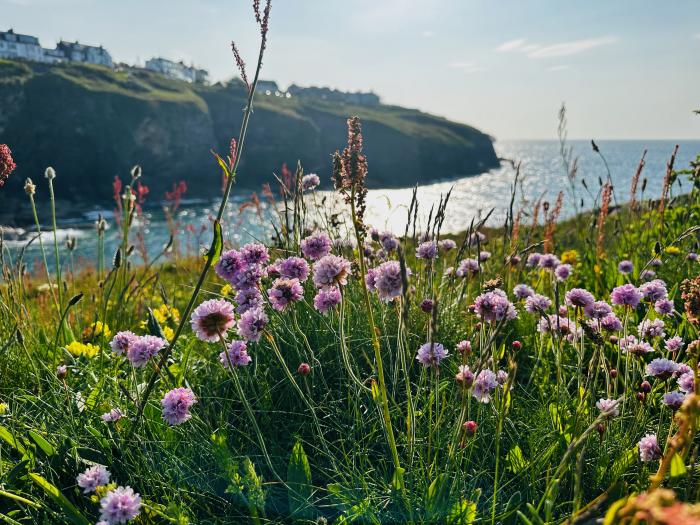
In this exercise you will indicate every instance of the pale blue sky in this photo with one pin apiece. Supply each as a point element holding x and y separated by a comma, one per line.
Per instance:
<point>626,69</point>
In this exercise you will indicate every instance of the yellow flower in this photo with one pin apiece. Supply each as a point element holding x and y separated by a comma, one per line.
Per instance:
<point>77,349</point>
<point>165,313</point>
<point>4,407</point>
<point>672,250</point>
<point>569,257</point>
<point>160,316</point>
<point>226,290</point>
<point>168,332</point>
<point>96,329</point>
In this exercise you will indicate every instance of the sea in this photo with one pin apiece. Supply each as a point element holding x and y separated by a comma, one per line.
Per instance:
<point>542,176</point>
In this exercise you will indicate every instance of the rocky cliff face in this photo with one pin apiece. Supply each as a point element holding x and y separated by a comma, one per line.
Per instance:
<point>92,124</point>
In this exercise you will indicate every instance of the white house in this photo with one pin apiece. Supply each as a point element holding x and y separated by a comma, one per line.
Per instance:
<point>177,70</point>
<point>14,45</point>
<point>77,52</point>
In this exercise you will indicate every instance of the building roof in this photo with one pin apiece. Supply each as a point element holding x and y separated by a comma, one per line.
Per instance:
<point>18,37</point>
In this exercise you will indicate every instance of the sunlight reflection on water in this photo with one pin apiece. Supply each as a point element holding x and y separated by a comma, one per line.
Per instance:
<point>542,174</point>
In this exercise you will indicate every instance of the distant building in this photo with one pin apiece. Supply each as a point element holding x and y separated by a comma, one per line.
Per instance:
<point>177,70</point>
<point>77,52</point>
<point>53,56</point>
<point>333,95</point>
<point>14,45</point>
<point>267,87</point>
<point>26,47</point>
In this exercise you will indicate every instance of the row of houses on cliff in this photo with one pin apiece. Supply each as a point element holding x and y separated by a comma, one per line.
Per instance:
<point>16,46</point>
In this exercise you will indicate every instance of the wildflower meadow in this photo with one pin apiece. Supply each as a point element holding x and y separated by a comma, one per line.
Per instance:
<point>536,371</point>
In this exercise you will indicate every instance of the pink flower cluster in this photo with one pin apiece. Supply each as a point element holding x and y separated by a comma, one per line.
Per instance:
<point>139,349</point>
<point>176,405</point>
<point>494,306</point>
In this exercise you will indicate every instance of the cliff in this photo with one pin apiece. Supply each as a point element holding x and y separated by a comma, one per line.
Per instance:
<point>91,123</point>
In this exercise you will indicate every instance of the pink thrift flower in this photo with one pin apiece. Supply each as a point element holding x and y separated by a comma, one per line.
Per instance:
<point>316,246</point>
<point>252,323</point>
<point>331,270</point>
<point>93,477</point>
<point>236,355</point>
<point>113,415</point>
<point>285,292</point>
<point>649,449</point>
<point>143,348</point>
<point>387,280</point>
<point>212,319</point>
<point>310,182</point>
<point>494,306</point>
<point>7,165</point>
<point>176,405</point>
<point>626,295</point>
<point>120,505</point>
<point>121,341</point>
<point>326,299</point>
<point>430,354</point>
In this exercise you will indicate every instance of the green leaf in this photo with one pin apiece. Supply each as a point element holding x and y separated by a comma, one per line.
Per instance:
<point>91,401</point>
<point>154,327</point>
<point>515,460</point>
<point>462,513</point>
<point>20,499</point>
<point>677,466</point>
<point>222,164</point>
<point>52,491</point>
<point>6,519</point>
<point>299,483</point>
<point>534,515</point>
<point>8,438</point>
<point>217,243</point>
<point>556,419</point>
<point>611,515</point>
<point>46,447</point>
<point>438,494</point>
<point>622,464</point>
<point>375,391</point>
<point>98,435</point>
<point>397,479</point>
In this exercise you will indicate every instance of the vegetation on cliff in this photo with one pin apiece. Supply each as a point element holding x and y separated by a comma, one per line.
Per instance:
<point>92,123</point>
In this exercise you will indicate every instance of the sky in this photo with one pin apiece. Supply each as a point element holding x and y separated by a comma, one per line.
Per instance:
<point>625,69</point>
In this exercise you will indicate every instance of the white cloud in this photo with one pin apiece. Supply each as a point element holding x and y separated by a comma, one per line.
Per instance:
<point>511,45</point>
<point>467,67</point>
<point>563,67</point>
<point>560,49</point>
<point>530,48</point>
<point>571,48</point>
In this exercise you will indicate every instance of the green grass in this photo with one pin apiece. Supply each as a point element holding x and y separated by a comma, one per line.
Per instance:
<point>326,453</point>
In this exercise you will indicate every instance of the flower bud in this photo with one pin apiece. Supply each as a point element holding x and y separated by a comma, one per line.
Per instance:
<point>427,305</point>
<point>304,369</point>
<point>61,371</point>
<point>470,427</point>
<point>645,387</point>
<point>50,173</point>
<point>613,373</point>
<point>517,345</point>
<point>29,187</point>
<point>464,347</point>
